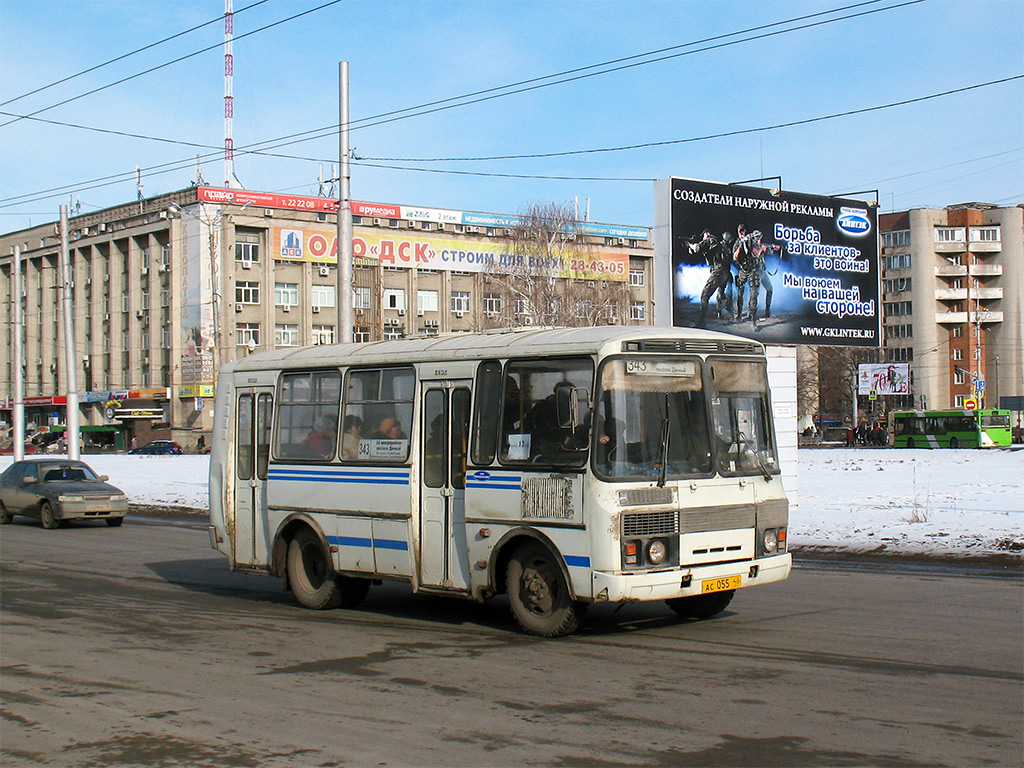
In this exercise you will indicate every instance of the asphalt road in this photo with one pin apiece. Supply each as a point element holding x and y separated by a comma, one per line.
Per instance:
<point>136,646</point>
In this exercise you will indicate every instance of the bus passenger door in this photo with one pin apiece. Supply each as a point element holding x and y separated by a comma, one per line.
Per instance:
<point>252,453</point>
<point>444,553</point>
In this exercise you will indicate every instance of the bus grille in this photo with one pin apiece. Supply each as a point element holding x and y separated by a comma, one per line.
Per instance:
<point>650,523</point>
<point>717,518</point>
<point>548,498</point>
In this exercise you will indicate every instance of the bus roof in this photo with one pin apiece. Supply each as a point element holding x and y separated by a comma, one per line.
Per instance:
<point>494,343</point>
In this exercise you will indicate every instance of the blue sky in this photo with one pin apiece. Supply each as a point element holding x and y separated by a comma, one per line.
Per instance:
<point>963,147</point>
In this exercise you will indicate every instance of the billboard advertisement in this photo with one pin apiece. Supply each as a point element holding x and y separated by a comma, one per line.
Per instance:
<point>777,266</point>
<point>883,378</point>
<point>435,251</point>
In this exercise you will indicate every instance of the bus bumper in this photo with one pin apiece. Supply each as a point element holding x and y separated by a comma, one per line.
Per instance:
<point>684,582</point>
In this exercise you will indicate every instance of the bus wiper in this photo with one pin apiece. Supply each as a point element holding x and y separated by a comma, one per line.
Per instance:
<point>741,440</point>
<point>664,447</point>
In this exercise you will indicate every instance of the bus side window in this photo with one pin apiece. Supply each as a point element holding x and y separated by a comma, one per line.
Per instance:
<point>488,410</point>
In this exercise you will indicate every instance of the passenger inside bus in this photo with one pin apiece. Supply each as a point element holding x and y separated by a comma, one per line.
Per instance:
<point>321,440</point>
<point>353,427</point>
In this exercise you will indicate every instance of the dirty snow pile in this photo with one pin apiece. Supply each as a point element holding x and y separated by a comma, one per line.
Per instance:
<point>942,502</point>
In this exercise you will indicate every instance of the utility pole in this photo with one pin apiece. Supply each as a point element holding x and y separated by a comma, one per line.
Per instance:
<point>19,370</point>
<point>67,317</point>
<point>344,215</point>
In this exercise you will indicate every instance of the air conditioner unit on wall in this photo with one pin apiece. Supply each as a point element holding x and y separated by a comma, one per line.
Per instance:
<point>246,265</point>
<point>316,310</point>
<point>286,308</point>
<point>325,271</point>
<point>401,313</point>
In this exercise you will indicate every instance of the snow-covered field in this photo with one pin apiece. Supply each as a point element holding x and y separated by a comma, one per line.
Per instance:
<point>943,502</point>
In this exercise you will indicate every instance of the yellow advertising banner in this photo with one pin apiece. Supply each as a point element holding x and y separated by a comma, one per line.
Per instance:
<point>423,251</point>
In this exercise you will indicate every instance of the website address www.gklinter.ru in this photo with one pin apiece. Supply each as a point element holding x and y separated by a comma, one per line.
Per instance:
<point>838,333</point>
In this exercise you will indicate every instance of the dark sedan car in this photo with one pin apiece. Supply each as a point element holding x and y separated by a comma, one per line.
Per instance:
<point>158,447</point>
<point>58,490</point>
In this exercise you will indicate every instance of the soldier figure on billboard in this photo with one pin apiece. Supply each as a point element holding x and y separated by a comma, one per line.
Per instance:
<point>717,255</point>
<point>749,255</point>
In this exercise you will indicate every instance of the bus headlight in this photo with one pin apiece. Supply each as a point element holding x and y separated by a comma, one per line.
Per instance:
<point>657,552</point>
<point>771,540</point>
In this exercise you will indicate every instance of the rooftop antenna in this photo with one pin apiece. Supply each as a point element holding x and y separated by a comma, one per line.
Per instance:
<point>229,99</point>
<point>199,180</point>
<point>139,185</point>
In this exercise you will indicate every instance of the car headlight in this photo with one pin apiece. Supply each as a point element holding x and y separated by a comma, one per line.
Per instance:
<point>118,497</point>
<point>65,498</point>
<point>771,540</point>
<point>657,552</point>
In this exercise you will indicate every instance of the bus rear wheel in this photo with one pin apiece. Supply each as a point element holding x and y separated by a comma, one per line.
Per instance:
<point>954,443</point>
<point>310,575</point>
<point>539,595</point>
<point>701,606</point>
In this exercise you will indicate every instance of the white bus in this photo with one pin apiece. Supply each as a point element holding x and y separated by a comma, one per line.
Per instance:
<point>560,466</point>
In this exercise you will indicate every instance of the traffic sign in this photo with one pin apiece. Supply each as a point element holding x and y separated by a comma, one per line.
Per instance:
<point>980,385</point>
<point>970,404</point>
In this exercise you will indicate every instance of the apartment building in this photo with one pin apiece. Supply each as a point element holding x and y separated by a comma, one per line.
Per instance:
<point>167,289</point>
<point>952,293</point>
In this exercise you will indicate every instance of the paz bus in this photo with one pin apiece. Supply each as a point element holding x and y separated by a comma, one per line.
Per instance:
<point>562,467</point>
<point>984,428</point>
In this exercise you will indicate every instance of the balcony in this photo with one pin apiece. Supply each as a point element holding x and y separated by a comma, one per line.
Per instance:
<point>951,294</point>
<point>977,246</point>
<point>953,246</point>
<point>951,270</point>
<point>986,317</point>
<point>951,317</point>
<point>986,270</point>
<point>986,294</point>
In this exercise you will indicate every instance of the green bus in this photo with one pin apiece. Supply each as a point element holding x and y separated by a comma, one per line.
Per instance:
<point>957,428</point>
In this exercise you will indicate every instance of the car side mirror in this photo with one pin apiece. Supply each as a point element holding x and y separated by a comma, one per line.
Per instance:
<point>104,478</point>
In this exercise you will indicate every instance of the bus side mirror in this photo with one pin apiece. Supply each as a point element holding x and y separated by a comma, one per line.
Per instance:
<point>571,405</point>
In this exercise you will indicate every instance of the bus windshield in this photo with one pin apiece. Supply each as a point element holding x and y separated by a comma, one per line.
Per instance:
<point>651,419</point>
<point>739,409</point>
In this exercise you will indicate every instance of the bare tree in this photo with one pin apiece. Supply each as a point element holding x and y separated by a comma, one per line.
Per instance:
<point>538,282</point>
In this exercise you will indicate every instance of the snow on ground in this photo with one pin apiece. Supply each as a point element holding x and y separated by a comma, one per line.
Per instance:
<point>943,502</point>
<point>912,501</point>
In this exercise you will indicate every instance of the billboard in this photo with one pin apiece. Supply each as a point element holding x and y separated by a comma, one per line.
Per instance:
<point>883,378</point>
<point>780,267</point>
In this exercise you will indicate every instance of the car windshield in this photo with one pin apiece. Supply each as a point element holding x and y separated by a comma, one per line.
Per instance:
<point>65,473</point>
<point>651,417</point>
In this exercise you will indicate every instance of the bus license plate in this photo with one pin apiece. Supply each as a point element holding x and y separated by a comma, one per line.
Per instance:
<point>721,585</point>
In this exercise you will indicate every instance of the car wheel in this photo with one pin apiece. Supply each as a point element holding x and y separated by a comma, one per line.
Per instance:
<point>5,516</point>
<point>538,593</point>
<point>115,522</point>
<point>701,606</point>
<point>46,516</point>
<point>310,574</point>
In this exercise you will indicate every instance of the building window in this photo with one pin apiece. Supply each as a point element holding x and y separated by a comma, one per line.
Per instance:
<point>897,261</point>
<point>247,293</point>
<point>896,238</point>
<point>323,295</point>
<point>361,297</point>
<point>361,333</point>
<point>958,354</point>
<point>286,294</point>
<point>958,376</point>
<point>394,298</point>
<point>323,334</point>
<point>247,253</point>
<point>460,301</point>
<point>427,301</point>
<point>958,401</point>
<point>985,235</point>
<point>286,335</point>
<point>524,307</point>
<point>957,332</point>
<point>392,332</point>
<point>897,285</point>
<point>898,308</point>
<point>247,334</point>
<point>638,311</point>
<point>492,304</point>
<point>637,278</point>
<point>949,234</point>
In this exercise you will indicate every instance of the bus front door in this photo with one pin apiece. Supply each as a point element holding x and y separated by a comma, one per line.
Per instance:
<point>252,440</point>
<point>444,554</point>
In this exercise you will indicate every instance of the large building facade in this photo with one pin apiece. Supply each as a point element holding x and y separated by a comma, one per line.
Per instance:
<point>953,301</point>
<point>167,289</point>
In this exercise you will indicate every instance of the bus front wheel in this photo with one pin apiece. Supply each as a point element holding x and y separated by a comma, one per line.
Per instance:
<point>310,575</point>
<point>701,606</point>
<point>538,593</point>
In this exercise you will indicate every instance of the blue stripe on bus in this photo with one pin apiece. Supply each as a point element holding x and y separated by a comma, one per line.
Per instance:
<point>577,561</point>
<point>320,476</point>
<point>358,541</point>
<point>496,486</point>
